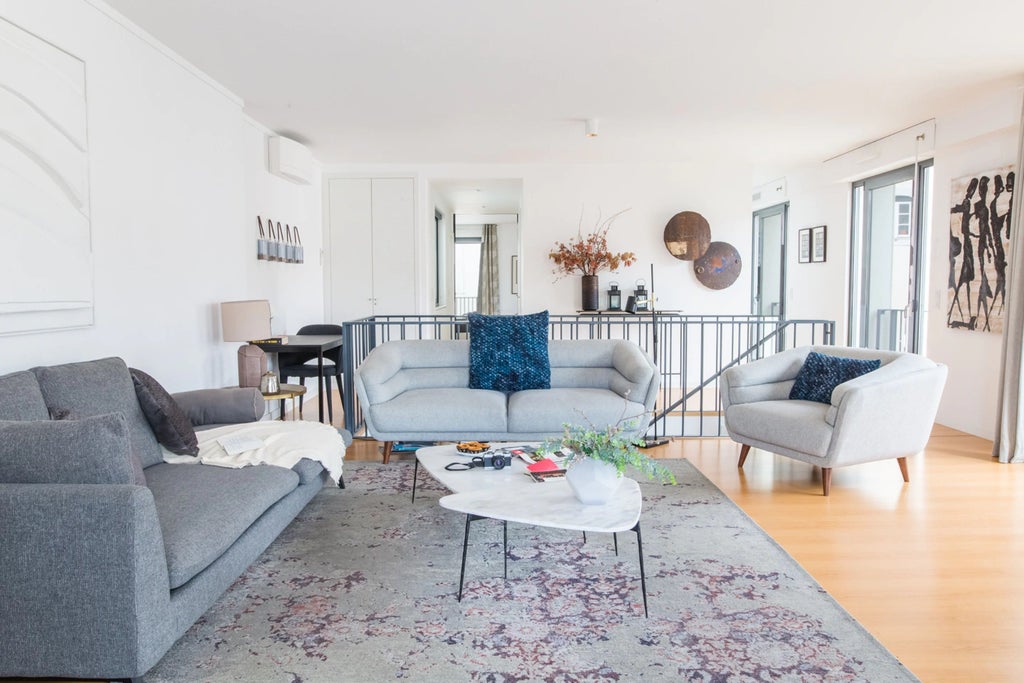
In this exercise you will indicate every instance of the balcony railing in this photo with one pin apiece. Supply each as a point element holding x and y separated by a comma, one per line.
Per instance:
<point>465,304</point>
<point>690,351</point>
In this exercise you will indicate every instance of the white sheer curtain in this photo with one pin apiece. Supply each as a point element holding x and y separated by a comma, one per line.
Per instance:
<point>1009,442</point>
<point>487,288</point>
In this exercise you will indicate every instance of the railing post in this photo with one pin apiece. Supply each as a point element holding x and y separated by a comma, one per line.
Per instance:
<point>348,369</point>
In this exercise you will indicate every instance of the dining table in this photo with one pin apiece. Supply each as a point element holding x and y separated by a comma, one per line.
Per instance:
<point>304,343</point>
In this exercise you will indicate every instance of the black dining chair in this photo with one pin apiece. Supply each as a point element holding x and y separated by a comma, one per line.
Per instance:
<point>298,365</point>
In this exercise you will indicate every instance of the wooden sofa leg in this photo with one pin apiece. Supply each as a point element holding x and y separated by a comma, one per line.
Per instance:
<point>903,469</point>
<point>388,445</point>
<point>826,480</point>
<point>743,454</point>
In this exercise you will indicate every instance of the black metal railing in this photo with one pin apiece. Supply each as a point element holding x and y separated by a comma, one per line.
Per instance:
<point>691,352</point>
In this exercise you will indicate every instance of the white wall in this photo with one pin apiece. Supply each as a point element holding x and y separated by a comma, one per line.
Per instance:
<point>177,179</point>
<point>553,196</point>
<point>973,140</point>
<point>979,136</point>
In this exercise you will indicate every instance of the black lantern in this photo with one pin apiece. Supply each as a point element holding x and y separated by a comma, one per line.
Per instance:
<point>640,296</point>
<point>614,298</point>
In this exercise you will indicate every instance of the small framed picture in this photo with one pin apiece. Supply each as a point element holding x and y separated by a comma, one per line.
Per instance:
<point>819,244</point>
<point>804,242</point>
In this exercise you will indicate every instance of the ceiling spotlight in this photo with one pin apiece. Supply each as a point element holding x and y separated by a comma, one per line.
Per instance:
<point>591,128</point>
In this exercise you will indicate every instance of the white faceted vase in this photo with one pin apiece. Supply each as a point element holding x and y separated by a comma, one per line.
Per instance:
<point>593,481</point>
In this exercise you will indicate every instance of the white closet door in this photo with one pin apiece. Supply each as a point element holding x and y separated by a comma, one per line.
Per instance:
<point>394,277</point>
<point>350,289</point>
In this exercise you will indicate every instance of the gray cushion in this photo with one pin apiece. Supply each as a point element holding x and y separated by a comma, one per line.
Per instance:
<point>95,388</point>
<point>204,509</point>
<point>94,450</point>
<point>463,410</point>
<point>230,405</point>
<point>21,399</point>
<point>793,424</point>
<point>308,471</point>
<point>167,420</point>
<point>547,410</point>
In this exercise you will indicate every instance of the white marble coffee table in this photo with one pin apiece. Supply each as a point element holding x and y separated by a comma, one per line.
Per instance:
<point>511,496</point>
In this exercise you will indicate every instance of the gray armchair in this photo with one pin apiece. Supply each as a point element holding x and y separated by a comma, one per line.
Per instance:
<point>887,413</point>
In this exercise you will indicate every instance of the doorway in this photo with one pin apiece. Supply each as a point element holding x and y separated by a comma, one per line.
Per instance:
<point>886,266</point>
<point>468,206</point>
<point>768,289</point>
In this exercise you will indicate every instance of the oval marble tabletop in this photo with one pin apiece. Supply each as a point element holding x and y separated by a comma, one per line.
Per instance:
<point>551,504</point>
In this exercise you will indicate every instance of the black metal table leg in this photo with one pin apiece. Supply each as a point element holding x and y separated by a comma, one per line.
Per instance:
<point>415,472</point>
<point>640,552</point>
<point>465,545</point>
<point>504,534</point>
<point>584,537</point>
<point>615,537</point>
<point>320,382</point>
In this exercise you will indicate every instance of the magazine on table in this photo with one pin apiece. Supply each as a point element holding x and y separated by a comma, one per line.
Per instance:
<point>548,475</point>
<point>530,454</point>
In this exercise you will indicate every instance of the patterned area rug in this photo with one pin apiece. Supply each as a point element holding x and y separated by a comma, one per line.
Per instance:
<point>361,587</point>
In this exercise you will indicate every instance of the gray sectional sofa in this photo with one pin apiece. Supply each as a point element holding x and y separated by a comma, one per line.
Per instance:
<point>98,580</point>
<point>418,390</point>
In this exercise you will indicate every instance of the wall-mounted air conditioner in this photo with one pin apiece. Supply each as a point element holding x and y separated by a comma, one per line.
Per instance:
<point>291,160</point>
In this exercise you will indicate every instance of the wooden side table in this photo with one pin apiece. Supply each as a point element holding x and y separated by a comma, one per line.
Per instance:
<point>284,392</point>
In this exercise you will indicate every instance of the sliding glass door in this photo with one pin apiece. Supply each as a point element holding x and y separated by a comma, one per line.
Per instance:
<point>885,287</point>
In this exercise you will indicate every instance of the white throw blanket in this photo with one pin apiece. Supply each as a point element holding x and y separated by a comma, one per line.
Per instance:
<point>284,444</point>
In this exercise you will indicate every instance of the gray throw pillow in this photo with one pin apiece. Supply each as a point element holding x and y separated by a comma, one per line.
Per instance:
<point>93,450</point>
<point>171,425</point>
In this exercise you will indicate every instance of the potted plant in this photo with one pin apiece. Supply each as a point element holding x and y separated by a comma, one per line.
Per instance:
<point>596,459</point>
<point>588,255</point>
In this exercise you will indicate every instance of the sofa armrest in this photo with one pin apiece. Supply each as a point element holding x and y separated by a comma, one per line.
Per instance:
<point>640,376</point>
<point>889,415</point>
<point>767,379</point>
<point>84,590</point>
<point>222,406</point>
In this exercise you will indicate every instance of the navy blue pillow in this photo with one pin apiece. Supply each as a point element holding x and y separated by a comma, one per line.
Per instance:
<point>509,352</point>
<point>821,374</point>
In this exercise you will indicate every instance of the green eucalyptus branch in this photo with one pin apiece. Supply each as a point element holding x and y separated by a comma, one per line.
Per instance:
<point>609,445</point>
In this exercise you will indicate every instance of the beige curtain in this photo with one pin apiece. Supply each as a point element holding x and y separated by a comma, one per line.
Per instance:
<point>487,288</point>
<point>1009,442</point>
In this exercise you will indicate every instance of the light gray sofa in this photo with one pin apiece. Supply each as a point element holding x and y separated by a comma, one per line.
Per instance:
<point>99,580</point>
<point>418,390</point>
<point>886,413</point>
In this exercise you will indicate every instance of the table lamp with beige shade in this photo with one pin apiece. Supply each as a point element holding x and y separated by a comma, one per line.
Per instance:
<point>244,321</point>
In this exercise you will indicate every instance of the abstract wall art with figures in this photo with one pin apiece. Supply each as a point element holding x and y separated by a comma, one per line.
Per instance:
<point>979,248</point>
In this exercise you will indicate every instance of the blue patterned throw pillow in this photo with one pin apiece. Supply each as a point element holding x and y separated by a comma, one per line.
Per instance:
<point>509,352</point>
<point>821,374</point>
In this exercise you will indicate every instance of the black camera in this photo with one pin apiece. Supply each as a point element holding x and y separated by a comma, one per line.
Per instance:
<point>497,461</point>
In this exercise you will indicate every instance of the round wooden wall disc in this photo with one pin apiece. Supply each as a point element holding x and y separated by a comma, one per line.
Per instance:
<point>687,235</point>
<point>719,266</point>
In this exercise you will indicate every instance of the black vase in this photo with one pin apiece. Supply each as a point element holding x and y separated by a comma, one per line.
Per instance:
<point>591,295</point>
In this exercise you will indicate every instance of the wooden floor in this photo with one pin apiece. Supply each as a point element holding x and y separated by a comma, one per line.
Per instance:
<point>928,567</point>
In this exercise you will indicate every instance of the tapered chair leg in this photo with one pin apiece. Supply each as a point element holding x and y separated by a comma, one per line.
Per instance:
<point>388,445</point>
<point>826,480</point>
<point>903,469</point>
<point>743,455</point>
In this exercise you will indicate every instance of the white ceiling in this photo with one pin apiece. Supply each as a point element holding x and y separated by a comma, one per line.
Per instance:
<point>771,83</point>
